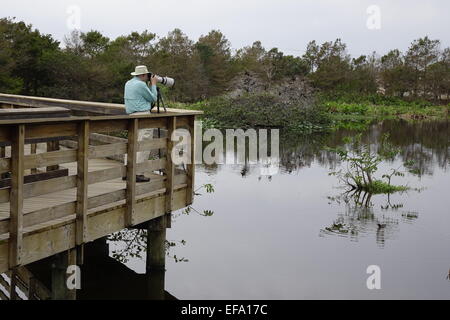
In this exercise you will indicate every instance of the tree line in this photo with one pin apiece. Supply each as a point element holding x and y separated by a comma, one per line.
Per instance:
<point>90,66</point>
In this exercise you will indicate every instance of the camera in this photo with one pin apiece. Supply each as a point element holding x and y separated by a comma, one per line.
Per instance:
<point>166,81</point>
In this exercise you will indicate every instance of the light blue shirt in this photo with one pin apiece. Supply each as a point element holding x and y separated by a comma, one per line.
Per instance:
<point>138,96</point>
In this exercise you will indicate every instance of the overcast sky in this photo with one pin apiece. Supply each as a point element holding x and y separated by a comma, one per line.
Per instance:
<point>286,24</point>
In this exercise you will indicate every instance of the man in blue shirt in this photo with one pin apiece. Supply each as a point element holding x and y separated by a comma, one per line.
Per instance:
<point>139,99</point>
<point>138,96</point>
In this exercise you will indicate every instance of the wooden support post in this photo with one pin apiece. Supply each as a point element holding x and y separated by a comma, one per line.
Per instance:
<point>13,285</point>
<point>133,132</point>
<point>156,244</point>
<point>155,285</point>
<point>33,149</point>
<point>32,283</point>
<point>82,182</point>
<point>168,220</point>
<point>16,196</point>
<point>170,168</point>
<point>60,263</point>
<point>72,261</point>
<point>191,166</point>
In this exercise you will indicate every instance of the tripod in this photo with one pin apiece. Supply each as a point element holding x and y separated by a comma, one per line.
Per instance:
<point>159,101</point>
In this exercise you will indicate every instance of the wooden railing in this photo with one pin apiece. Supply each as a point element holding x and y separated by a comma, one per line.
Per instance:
<point>74,215</point>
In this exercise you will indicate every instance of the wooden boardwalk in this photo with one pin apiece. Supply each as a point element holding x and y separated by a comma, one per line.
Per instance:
<point>55,199</point>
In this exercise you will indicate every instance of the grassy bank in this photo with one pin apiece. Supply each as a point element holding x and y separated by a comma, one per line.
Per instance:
<point>342,110</point>
<point>352,106</point>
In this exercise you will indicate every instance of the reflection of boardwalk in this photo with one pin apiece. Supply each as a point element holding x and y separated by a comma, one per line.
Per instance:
<point>26,285</point>
<point>105,278</point>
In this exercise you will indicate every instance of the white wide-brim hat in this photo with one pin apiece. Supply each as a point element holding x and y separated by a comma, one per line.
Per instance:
<point>140,70</point>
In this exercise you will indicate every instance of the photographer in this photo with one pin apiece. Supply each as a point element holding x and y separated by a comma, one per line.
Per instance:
<point>139,99</point>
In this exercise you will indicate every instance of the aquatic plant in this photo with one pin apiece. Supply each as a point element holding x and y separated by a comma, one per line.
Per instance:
<point>362,163</point>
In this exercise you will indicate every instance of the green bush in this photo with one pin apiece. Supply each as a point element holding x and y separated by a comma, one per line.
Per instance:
<point>263,110</point>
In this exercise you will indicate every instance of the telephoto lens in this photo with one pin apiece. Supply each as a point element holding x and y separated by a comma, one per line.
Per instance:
<point>166,81</point>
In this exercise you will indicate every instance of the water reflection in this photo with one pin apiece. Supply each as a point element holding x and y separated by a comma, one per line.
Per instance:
<point>361,218</point>
<point>426,144</point>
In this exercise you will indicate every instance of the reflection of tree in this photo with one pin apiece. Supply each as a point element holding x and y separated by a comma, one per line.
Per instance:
<point>361,219</point>
<point>132,243</point>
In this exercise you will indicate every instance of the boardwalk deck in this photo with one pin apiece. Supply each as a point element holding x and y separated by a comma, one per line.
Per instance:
<point>42,218</point>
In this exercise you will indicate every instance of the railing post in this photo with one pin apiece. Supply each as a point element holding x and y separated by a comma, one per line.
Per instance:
<point>33,150</point>
<point>82,182</point>
<point>52,146</point>
<point>170,168</point>
<point>16,196</point>
<point>191,166</point>
<point>133,132</point>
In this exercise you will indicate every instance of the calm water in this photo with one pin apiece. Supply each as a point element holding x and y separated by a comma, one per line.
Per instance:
<point>294,237</point>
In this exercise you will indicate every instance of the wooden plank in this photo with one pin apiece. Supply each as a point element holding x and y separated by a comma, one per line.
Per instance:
<point>28,113</point>
<point>35,131</point>
<point>107,150</point>
<point>16,196</point>
<point>133,132</point>
<point>97,107</point>
<point>106,174</point>
<point>170,168</point>
<point>42,187</point>
<point>6,183</point>
<point>82,182</point>
<point>190,167</point>
<point>152,144</point>
<point>105,139</point>
<point>49,186</point>
<point>183,122</point>
<point>146,123</point>
<point>151,165</point>
<point>50,158</point>
<point>109,125</point>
